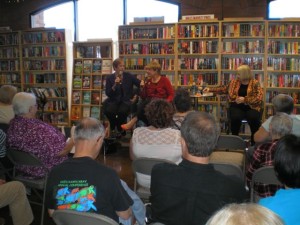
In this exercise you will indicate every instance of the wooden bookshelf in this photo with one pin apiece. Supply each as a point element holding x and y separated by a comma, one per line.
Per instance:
<point>92,61</point>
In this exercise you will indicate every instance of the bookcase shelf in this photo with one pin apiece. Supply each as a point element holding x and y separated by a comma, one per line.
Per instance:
<point>92,61</point>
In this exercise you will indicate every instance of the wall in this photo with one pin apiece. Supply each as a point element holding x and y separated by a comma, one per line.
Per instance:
<point>17,15</point>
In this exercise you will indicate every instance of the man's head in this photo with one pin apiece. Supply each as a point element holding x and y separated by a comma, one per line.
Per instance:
<point>281,124</point>
<point>287,160</point>
<point>88,137</point>
<point>283,103</point>
<point>200,133</point>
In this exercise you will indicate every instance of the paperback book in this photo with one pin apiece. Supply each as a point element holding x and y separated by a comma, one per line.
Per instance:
<point>86,83</point>
<point>77,82</point>
<point>95,99</point>
<point>95,112</point>
<point>76,97</point>
<point>86,99</point>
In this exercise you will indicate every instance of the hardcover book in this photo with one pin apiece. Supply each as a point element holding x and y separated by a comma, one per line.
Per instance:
<point>95,112</point>
<point>95,99</point>
<point>96,82</point>
<point>78,67</point>
<point>106,66</point>
<point>97,65</point>
<point>86,112</point>
<point>77,82</point>
<point>87,66</point>
<point>75,113</point>
<point>76,97</point>
<point>86,82</point>
<point>86,97</point>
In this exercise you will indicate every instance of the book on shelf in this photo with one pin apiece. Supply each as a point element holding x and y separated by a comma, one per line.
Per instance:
<point>76,97</point>
<point>89,51</point>
<point>97,65</point>
<point>96,82</point>
<point>77,82</point>
<point>87,66</point>
<point>95,98</point>
<point>86,97</point>
<point>75,113</point>
<point>106,66</point>
<point>95,112</point>
<point>78,67</point>
<point>86,82</point>
<point>86,111</point>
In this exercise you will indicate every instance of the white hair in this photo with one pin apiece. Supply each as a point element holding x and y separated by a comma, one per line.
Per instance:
<point>22,102</point>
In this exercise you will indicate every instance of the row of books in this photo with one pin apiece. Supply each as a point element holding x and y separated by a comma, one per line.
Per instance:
<point>147,33</point>
<point>57,105</point>
<point>53,64</point>
<point>244,46</point>
<point>209,108</point>
<point>45,78</point>
<point>44,51</point>
<point>295,95</point>
<point>196,47</point>
<point>87,82</point>
<point>42,93</point>
<point>87,111</point>
<point>243,30</point>
<point>9,52</point>
<point>9,39</point>
<point>147,48</point>
<point>9,65</point>
<point>43,37</point>
<point>227,77</point>
<point>283,47</point>
<point>277,63</point>
<point>270,111</point>
<point>10,78</point>
<point>99,51</point>
<point>284,30</point>
<point>198,30</point>
<point>86,97</point>
<point>140,63</point>
<point>87,66</point>
<point>283,80</point>
<point>198,63</point>
<point>199,79</point>
<point>54,118</point>
<point>232,63</point>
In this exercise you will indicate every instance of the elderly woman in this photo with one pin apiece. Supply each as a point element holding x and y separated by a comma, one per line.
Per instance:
<point>7,92</point>
<point>29,134</point>
<point>157,140</point>
<point>245,98</point>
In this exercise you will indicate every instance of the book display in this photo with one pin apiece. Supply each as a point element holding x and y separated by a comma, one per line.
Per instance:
<point>92,61</point>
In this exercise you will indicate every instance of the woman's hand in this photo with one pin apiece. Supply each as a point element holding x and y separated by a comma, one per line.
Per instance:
<point>240,100</point>
<point>206,89</point>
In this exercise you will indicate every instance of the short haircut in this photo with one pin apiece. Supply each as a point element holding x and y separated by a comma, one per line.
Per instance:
<point>245,214</point>
<point>159,113</point>
<point>283,103</point>
<point>281,124</point>
<point>88,128</point>
<point>22,102</point>
<point>7,93</point>
<point>287,160</point>
<point>245,72</point>
<point>117,62</point>
<point>154,65</point>
<point>200,132</point>
<point>182,100</point>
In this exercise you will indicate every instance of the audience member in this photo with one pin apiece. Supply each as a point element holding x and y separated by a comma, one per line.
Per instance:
<point>285,202</point>
<point>189,193</point>
<point>7,92</point>
<point>2,144</point>
<point>156,86</point>
<point>13,194</point>
<point>281,103</point>
<point>281,125</point>
<point>75,185</point>
<point>244,214</point>
<point>158,140</point>
<point>183,105</point>
<point>28,134</point>
<point>119,89</point>
<point>245,97</point>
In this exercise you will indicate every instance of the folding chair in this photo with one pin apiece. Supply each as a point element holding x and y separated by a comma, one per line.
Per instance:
<point>229,169</point>
<point>72,217</point>
<point>20,158</point>
<point>144,166</point>
<point>264,175</point>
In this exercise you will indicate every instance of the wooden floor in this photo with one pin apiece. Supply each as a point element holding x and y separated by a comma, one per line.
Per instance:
<point>118,160</point>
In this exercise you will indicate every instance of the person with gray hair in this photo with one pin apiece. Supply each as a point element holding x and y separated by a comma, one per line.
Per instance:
<point>7,92</point>
<point>281,125</point>
<point>189,193</point>
<point>244,214</point>
<point>28,134</point>
<point>281,103</point>
<point>83,184</point>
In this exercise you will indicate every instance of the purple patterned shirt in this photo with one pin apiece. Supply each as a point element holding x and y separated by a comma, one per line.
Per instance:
<point>38,138</point>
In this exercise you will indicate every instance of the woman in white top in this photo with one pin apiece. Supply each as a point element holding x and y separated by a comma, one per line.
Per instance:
<point>7,92</point>
<point>158,140</point>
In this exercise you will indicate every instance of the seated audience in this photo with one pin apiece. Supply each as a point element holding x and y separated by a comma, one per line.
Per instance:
<point>281,125</point>
<point>28,134</point>
<point>13,194</point>
<point>244,214</point>
<point>183,105</point>
<point>99,187</point>
<point>189,193</point>
<point>7,92</point>
<point>281,103</point>
<point>2,144</point>
<point>285,202</point>
<point>158,140</point>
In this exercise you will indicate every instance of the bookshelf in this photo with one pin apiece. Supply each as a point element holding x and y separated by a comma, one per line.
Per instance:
<point>10,71</point>
<point>92,61</point>
<point>45,72</point>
